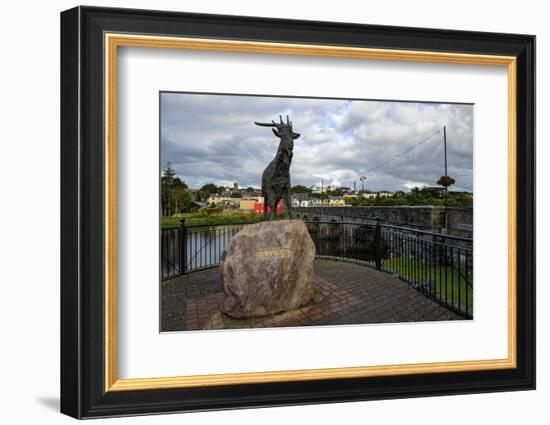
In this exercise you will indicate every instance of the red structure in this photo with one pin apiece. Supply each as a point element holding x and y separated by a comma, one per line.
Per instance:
<point>259,208</point>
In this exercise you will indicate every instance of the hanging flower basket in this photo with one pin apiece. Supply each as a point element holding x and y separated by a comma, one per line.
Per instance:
<point>446,181</point>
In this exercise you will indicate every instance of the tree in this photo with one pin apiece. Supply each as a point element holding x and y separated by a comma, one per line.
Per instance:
<point>183,199</point>
<point>206,190</point>
<point>173,193</point>
<point>417,196</point>
<point>336,192</point>
<point>166,189</point>
<point>300,189</point>
<point>209,188</point>
<point>168,176</point>
<point>179,183</point>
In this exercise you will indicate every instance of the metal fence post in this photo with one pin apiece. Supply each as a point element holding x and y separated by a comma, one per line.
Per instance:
<point>377,246</point>
<point>183,246</point>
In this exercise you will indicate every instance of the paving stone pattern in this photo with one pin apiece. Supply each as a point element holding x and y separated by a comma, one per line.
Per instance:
<point>347,293</point>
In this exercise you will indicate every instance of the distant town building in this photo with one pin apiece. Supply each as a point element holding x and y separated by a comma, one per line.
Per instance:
<point>223,200</point>
<point>350,196</point>
<point>301,200</point>
<point>254,193</point>
<point>318,202</point>
<point>369,194</point>
<point>305,200</point>
<point>250,203</point>
<point>329,188</point>
<point>247,204</point>
<point>317,188</point>
<point>259,208</point>
<point>336,201</point>
<point>235,192</point>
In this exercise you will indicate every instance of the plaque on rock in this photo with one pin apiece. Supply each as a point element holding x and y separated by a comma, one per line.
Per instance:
<point>268,269</point>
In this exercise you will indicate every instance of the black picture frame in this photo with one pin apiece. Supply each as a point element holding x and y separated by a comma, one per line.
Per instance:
<point>83,392</point>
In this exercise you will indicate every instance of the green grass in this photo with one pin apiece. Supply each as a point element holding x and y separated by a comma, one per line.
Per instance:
<point>415,270</point>
<point>201,218</point>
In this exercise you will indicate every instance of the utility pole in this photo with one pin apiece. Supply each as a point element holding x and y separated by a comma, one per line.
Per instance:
<point>446,187</point>
<point>321,199</point>
<point>445,147</point>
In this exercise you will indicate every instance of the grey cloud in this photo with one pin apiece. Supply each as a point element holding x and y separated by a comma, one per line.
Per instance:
<point>212,138</point>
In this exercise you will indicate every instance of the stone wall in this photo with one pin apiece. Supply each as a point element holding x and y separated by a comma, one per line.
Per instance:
<point>460,221</point>
<point>428,218</point>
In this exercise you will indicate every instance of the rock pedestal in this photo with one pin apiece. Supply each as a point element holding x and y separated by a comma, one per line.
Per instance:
<point>267,269</point>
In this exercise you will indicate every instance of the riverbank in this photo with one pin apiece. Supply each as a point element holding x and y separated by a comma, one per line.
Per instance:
<point>203,217</point>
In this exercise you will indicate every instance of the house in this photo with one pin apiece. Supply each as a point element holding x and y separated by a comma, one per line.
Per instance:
<point>382,194</point>
<point>259,208</point>
<point>317,188</point>
<point>300,200</point>
<point>350,196</point>
<point>367,194</point>
<point>318,202</point>
<point>250,203</point>
<point>247,204</point>
<point>336,201</point>
<point>223,200</point>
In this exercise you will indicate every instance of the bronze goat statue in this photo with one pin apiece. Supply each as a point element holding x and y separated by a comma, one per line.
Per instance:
<point>276,177</point>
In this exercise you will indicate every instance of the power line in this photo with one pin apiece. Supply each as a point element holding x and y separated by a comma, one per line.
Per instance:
<point>370,170</point>
<point>462,172</point>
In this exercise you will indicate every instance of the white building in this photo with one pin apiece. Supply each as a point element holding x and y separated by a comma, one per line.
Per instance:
<point>382,194</point>
<point>301,200</point>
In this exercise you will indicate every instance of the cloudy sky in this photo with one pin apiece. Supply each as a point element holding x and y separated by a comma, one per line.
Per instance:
<point>213,139</point>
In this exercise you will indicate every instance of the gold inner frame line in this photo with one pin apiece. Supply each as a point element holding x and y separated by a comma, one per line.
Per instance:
<point>113,41</point>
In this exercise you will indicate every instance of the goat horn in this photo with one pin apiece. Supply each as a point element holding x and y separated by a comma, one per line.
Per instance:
<point>265,124</point>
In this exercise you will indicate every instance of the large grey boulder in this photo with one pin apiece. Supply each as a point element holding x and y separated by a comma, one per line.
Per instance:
<point>267,269</point>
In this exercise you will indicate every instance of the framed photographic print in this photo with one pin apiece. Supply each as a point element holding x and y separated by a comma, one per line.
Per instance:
<point>261,212</point>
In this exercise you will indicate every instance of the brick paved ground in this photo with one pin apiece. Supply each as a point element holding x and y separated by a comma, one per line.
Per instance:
<point>347,293</point>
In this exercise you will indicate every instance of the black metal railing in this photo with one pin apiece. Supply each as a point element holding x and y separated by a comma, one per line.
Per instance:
<point>203,246</point>
<point>438,265</point>
<point>441,266</point>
